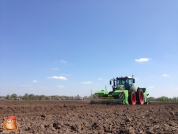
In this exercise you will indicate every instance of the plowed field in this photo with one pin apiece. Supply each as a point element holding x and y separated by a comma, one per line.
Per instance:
<point>80,117</point>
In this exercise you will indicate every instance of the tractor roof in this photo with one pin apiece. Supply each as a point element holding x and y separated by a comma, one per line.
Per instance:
<point>126,77</point>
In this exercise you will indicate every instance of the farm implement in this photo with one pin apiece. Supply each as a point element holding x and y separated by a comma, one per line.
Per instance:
<point>124,92</point>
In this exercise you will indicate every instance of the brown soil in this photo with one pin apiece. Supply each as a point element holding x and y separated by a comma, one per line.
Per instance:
<point>80,117</point>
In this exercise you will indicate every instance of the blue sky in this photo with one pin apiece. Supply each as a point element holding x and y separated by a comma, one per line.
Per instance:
<point>73,47</point>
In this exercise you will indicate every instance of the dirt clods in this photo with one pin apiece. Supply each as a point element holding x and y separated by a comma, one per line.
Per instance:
<point>80,117</point>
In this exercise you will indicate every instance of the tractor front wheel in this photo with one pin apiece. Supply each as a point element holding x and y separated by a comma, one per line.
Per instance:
<point>132,98</point>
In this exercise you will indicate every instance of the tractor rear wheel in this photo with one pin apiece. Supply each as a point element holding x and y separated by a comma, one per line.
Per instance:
<point>132,98</point>
<point>140,96</point>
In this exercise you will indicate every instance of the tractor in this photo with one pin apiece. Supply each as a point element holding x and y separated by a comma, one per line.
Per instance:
<point>123,91</point>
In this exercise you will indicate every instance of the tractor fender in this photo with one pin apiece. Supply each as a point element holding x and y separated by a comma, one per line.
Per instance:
<point>138,88</point>
<point>134,88</point>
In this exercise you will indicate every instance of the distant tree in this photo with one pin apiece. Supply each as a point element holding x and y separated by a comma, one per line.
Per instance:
<point>63,97</point>
<point>174,99</point>
<point>14,96</point>
<point>67,98</point>
<point>47,97</point>
<point>36,97</point>
<point>78,97</point>
<point>31,97</point>
<point>8,97</point>
<point>41,97</point>
<point>25,97</point>
<point>162,98</point>
<point>151,98</point>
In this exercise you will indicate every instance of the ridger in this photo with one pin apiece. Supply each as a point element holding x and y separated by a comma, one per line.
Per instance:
<point>123,92</point>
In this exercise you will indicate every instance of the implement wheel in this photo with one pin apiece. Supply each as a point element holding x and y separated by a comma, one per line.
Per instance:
<point>132,98</point>
<point>140,96</point>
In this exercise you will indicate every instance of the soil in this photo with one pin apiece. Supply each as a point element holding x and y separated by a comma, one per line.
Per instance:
<point>80,117</point>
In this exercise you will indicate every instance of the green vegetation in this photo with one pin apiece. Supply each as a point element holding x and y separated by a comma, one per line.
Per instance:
<point>163,99</point>
<point>42,97</point>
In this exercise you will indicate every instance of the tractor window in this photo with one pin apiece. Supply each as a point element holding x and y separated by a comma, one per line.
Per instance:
<point>123,81</point>
<point>120,82</point>
<point>130,81</point>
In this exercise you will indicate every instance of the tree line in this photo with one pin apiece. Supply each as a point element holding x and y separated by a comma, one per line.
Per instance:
<point>27,96</point>
<point>164,99</point>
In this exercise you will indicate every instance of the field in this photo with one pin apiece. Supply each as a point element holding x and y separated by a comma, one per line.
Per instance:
<point>80,117</point>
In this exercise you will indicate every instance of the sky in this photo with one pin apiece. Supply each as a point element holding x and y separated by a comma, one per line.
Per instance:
<point>75,47</point>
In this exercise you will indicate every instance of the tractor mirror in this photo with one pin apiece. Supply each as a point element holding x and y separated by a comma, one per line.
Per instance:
<point>133,80</point>
<point>110,82</point>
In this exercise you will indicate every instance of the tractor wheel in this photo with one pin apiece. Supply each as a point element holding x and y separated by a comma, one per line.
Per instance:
<point>132,98</point>
<point>140,97</point>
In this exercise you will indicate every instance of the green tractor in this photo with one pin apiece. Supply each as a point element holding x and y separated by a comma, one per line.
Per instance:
<point>123,92</point>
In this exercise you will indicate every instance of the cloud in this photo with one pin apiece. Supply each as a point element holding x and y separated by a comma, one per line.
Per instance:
<point>136,78</point>
<point>58,77</point>
<point>60,86</point>
<point>88,82</point>
<point>100,79</point>
<point>34,81</point>
<point>63,61</point>
<point>151,87</point>
<point>165,75</point>
<point>142,60</point>
<point>54,68</point>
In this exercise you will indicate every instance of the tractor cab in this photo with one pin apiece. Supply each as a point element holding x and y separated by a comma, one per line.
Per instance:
<point>122,83</point>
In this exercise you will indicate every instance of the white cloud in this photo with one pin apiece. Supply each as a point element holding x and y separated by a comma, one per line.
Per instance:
<point>58,77</point>
<point>137,78</point>
<point>165,75</point>
<point>151,87</point>
<point>63,61</point>
<point>60,86</point>
<point>100,79</point>
<point>88,82</point>
<point>54,68</point>
<point>34,81</point>
<point>142,60</point>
